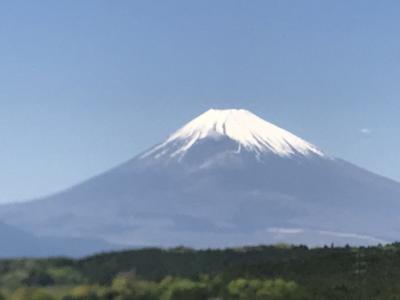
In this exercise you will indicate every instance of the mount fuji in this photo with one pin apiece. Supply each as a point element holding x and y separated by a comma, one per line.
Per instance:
<point>226,178</point>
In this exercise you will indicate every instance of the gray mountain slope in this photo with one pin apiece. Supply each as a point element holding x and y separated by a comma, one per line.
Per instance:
<point>19,243</point>
<point>237,200</point>
<point>222,191</point>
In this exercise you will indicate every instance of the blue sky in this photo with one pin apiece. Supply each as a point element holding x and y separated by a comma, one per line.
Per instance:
<point>86,85</point>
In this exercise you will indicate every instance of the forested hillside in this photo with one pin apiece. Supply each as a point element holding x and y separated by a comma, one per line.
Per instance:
<point>252,273</point>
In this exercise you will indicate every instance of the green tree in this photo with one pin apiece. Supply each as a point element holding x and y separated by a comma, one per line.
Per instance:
<point>183,289</point>
<point>82,292</point>
<point>279,289</point>
<point>256,289</point>
<point>126,286</point>
<point>38,278</point>
<point>30,294</point>
<point>244,289</point>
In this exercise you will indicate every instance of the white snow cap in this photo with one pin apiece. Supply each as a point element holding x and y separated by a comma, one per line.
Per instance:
<point>242,126</point>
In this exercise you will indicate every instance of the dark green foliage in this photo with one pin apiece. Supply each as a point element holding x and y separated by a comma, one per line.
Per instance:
<point>253,273</point>
<point>38,278</point>
<point>257,289</point>
<point>182,289</point>
<point>155,264</point>
<point>30,294</point>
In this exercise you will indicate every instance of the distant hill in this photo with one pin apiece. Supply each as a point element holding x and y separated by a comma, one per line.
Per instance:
<point>18,243</point>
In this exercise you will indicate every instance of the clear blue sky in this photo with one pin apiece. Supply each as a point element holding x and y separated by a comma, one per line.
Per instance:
<point>86,85</point>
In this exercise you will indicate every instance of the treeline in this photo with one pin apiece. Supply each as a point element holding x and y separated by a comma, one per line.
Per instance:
<point>249,273</point>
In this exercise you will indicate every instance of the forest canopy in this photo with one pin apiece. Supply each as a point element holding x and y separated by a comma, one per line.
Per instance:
<point>248,273</point>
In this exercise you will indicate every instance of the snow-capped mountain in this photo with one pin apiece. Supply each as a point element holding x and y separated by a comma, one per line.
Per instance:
<point>225,178</point>
<point>240,126</point>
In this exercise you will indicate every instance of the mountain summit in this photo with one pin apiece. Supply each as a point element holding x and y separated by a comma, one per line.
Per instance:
<point>241,126</point>
<point>226,178</point>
